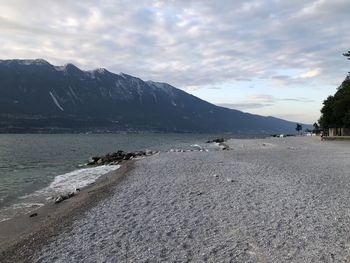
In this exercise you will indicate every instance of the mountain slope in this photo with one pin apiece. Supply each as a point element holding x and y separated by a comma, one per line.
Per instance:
<point>36,95</point>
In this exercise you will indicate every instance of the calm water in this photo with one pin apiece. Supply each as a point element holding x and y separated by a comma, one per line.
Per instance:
<point>32,162</point>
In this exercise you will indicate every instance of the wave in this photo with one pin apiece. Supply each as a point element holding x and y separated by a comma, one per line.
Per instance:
<point>79,178</point>
<point>71,181</point>
<point>64,183</point>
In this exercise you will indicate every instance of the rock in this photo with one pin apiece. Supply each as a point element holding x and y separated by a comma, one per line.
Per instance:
<point>61,198</point>
<point>225,147</point>
<point>218,140</point>
<point>129,156</point>
<point>34,214</point>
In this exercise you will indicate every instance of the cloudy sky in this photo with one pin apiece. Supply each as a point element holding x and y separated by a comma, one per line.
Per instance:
<point>270,57</point>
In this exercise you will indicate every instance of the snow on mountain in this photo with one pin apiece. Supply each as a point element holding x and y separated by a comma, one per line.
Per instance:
<point>56,101</point>
<point>26,62</point>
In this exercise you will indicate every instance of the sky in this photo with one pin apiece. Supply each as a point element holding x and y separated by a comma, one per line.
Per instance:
<point>276,58</point>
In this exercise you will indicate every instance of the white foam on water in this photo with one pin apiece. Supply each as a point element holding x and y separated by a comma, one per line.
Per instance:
<point>79,178</point>
<point>197,146</point>
<point>69,182</point>
<point>61,184</point>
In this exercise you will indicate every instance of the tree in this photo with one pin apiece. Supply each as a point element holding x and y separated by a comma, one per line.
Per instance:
<point>346,119</point>
<point>316,128</point>
<point>327,119</point>
<point>299,127</point>
<point>336,109</point>
<point>347,55</point>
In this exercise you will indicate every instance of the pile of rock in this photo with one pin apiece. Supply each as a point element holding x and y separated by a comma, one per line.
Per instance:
<point>117,157</point>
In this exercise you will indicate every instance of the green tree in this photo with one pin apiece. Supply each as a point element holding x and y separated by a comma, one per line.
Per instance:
<point>327,118</point>
<point>299,127</point>
<point>316,128</point>
<point>335,110</point>
<point>347,55</point>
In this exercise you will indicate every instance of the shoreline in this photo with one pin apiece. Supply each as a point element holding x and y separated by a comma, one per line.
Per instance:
<point>22,236</point>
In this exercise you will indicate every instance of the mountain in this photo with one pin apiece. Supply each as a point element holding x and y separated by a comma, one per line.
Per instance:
<point>39,97</point>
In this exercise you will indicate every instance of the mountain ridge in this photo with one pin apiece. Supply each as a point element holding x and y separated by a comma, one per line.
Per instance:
<point>39,97</point>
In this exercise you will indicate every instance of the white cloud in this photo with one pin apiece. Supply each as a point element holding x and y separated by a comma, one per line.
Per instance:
<point>311,73</point>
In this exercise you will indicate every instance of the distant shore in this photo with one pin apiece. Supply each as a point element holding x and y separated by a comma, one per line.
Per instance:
<point>23,235</point>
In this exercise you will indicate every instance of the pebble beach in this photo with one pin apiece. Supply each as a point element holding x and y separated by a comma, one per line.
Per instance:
<point>264,200</point>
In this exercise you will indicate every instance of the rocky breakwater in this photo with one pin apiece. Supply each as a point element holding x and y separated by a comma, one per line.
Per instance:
<point>117,157</point>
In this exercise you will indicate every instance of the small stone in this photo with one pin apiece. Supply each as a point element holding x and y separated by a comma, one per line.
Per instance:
<point>59,199</point>
<point>33,215</point>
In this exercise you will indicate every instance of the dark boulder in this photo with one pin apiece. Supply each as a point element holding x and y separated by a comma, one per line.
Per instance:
<point>33,215</point>
<point>218,140</point>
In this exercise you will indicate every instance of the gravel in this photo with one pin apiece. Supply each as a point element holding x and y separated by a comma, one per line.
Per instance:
<point>271,200</point>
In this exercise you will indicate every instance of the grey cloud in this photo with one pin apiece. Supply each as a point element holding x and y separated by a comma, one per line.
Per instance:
<point>214,87</point>
<point>293,117</point>
<point>306,100</point>
<point>261,101</point>
<point>267,98</point>
<point>245,105</point>
<point>242,79</point>
<point>281,77</point>
<point>185,43</point>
